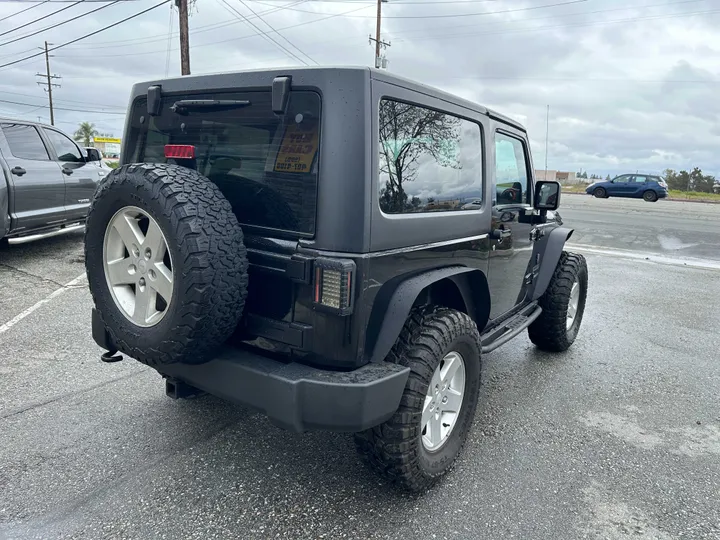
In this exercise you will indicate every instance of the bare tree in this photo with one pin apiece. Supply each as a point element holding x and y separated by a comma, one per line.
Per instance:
<point>408,132</point>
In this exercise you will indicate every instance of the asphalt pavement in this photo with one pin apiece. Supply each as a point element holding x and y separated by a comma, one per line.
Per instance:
<point>617,438</point>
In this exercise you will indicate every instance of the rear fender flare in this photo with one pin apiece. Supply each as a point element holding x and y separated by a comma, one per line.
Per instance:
<point>396,298</point>
<point>551,253</point>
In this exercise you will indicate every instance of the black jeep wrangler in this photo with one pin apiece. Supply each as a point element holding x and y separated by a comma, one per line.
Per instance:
<point>334,247</point>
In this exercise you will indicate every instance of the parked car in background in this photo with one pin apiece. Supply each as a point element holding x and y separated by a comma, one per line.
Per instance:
<point>651,188</point>
<point>96,156</point>
<point>48,180</point>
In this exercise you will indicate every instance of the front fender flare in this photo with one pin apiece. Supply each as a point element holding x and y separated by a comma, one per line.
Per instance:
<point>553,249</point>
<point>392,308</point>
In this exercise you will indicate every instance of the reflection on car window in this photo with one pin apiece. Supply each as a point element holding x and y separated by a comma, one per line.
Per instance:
<point>511,171</point>
<point>66,149</point>
<point>429,161</point>
<point>25,142</point>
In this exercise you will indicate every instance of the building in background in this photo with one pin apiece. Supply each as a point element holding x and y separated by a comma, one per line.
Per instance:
<point>565,178</point>
<point>109,146</point>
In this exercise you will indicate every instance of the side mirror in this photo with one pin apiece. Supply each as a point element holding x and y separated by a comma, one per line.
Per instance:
<point>547,195</point>
<point>93,155</point>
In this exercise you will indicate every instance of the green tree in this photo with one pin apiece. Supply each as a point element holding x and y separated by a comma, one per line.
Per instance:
<point>85,132</point>
<point>607,178</point>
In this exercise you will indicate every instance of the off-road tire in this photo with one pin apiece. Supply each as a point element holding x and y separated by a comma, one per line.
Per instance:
<point>4,243</point>
<point>549,332</point>
<point>650,196</point>
<point>209,262</point>
<point>394,449</point>
<point>600,193</point>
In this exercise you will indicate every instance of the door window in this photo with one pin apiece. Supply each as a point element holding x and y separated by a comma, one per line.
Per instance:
<point>25,142</point>
<point>640,179</point>
<point>430,161</point>
<point>67,150</point>
<point>511,171</point>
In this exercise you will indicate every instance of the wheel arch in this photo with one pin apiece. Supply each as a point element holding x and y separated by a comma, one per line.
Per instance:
<point>458,287</point>
<point>550,256</point>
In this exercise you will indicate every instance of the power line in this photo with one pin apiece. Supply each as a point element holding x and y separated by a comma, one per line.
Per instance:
<point>264,34</point>
<point>23,10</point>
<point>99,105</point>
<point>447,16</point>
<point>560,16</point>
<point>216,42</point>
<point>59,24</point>
<point>198,30</point>
<point>425,30</point>
<point>59,108</point>
<point>43,17</point>
<point>278,33</point>
<point>88,35</point>
<point>575,25</point>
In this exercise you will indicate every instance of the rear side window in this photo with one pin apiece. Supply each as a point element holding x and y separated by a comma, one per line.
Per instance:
<point>430,161</point>
<point>66,150</point>
<point>25,142</point>
<point>266,165</point>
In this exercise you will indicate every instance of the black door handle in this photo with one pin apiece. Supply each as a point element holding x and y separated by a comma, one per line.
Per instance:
<point>499,234</point>
<point>67,171</point>
<point>19,171</point>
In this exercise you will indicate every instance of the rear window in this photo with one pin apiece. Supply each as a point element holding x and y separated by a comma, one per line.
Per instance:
<point>266,165</point>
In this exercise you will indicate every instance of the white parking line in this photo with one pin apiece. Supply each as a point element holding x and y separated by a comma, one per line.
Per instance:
<point>69,285</point>
<point>647,256</point>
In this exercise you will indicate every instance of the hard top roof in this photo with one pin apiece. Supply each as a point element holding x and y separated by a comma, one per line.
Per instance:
<point>225,78</point>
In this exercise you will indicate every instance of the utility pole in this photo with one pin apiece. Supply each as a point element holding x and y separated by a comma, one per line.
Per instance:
<point>379,62</point>
<point>182,6</point>
<point>547,133</point>
<point>48,84</point>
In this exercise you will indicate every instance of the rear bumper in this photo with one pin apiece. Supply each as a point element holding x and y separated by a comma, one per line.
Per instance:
<point>293,396</point>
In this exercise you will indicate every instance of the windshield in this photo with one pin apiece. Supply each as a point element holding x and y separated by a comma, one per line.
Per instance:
<point>265,164</point>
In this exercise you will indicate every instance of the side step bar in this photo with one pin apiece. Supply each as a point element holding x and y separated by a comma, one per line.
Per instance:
<point>509,329</point>
<point>49,233</point>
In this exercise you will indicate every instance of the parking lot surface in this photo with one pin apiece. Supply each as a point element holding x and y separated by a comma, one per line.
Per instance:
<point>617,438</point>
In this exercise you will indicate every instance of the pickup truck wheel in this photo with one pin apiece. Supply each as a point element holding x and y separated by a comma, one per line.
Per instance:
<point>4,243</point>
<point>563,305</point>
<point>419,444</point>
<point>166,263</point>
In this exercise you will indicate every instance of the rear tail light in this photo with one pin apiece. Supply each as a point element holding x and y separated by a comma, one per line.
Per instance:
<point>180,151</point>
<point>333,285</point>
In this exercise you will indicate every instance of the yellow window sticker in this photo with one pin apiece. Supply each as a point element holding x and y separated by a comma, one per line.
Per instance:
<point>298,148</point>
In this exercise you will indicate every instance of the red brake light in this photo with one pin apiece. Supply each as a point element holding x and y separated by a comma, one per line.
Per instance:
<point>180,151</point>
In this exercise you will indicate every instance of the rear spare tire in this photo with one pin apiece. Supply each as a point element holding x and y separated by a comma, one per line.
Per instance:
<point>166,263</point>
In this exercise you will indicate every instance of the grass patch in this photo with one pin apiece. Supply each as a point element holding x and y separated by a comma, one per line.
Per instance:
<point>694,195</point>
<point>575,188</point>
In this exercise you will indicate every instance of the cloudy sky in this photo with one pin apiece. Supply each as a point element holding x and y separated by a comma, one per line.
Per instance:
<point>628,88</point>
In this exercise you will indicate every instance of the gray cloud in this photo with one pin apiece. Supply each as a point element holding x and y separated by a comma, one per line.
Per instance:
<point>628,88</point>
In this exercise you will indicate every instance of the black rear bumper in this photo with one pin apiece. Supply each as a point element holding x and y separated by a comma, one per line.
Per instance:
<point>293,396</point>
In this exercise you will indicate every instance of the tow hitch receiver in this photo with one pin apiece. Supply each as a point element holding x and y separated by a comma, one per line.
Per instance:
<point>177,389</point>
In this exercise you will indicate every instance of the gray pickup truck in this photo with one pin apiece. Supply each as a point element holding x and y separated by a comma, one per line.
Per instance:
<point>48,180</point>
